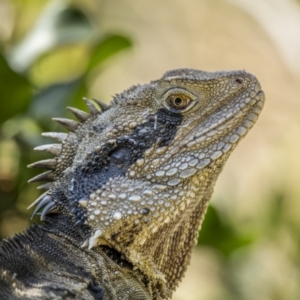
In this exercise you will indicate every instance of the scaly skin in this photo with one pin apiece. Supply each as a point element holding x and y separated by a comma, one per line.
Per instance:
<point>129,189</point>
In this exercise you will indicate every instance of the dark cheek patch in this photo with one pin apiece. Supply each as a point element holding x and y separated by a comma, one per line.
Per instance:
<point>114,160</point>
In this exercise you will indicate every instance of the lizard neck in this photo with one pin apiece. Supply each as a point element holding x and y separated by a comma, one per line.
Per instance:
<point>160,246</point>
<point>170,247</point>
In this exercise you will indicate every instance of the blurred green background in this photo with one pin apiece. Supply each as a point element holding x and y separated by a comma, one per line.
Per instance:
<point>52,53</point>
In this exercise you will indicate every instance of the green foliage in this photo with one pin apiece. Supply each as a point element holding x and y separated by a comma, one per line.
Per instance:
<point>59,95</point>
<point>15,91</point>
<point>105,48</point>
<point>221,234</point>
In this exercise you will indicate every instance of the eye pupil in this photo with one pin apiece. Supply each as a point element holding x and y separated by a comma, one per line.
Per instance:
<point>178,101</point>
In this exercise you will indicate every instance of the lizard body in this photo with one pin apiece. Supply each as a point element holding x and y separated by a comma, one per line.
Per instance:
<point>128,189</point>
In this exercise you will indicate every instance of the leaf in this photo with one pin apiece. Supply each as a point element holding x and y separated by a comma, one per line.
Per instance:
<point>107,47</point>
<point>276,211</point>
<point>15,91</point>
<point>58,25</point>
<point>221,235</point>
<point>52,101</point>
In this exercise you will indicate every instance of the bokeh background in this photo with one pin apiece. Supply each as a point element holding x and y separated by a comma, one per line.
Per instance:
<point>52,53</point>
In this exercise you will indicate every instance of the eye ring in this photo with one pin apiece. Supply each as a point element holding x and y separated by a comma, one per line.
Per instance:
<point>179,101</point>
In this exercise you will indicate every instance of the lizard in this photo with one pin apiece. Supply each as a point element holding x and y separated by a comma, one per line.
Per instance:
<point>128,188</point>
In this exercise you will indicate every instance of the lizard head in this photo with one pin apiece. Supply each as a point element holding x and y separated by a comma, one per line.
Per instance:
<point>140,172</point>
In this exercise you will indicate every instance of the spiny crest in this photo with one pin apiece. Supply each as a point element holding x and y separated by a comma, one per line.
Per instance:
<point>134,95</point>
<point>45,202</point>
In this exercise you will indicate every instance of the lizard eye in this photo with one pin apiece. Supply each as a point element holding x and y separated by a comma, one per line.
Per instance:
<point>178,102</point>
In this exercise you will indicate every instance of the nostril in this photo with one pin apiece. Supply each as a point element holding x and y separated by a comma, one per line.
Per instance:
<point>239,80</point>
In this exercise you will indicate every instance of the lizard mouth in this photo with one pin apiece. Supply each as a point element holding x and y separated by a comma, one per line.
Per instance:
<point>234,121</point>
<point>240,112</point>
